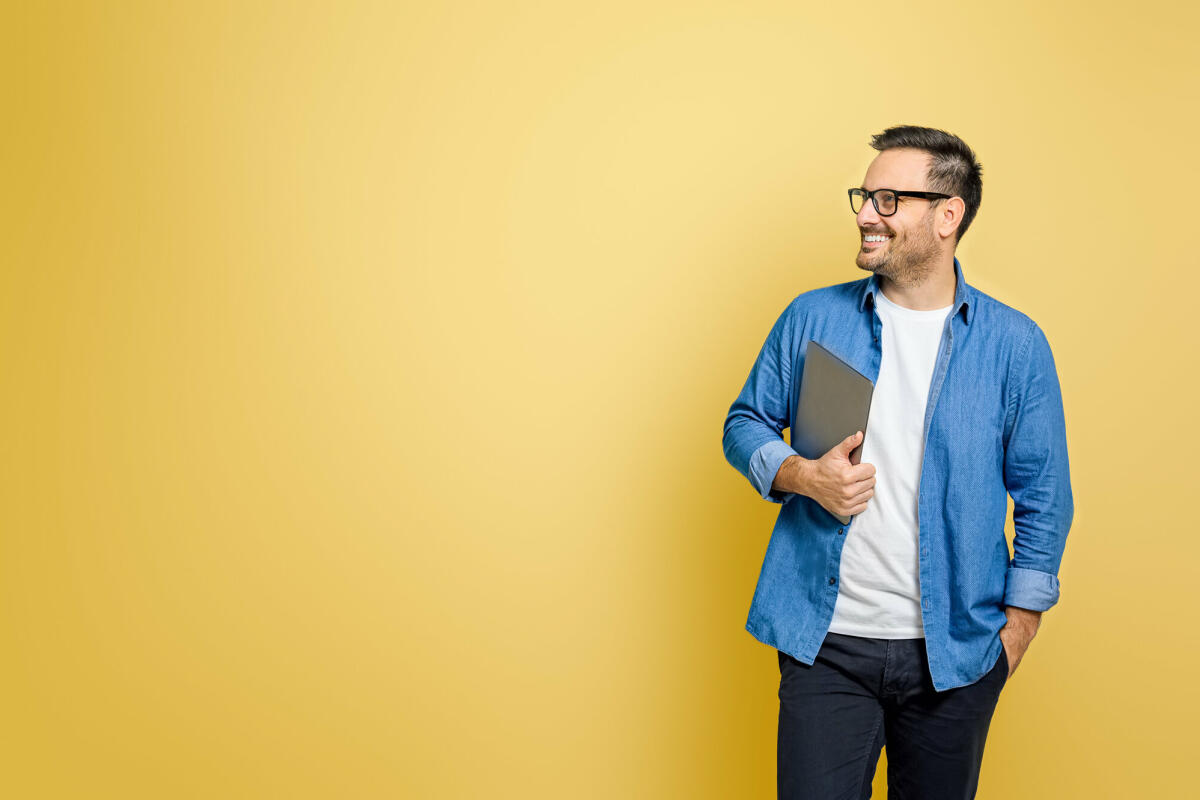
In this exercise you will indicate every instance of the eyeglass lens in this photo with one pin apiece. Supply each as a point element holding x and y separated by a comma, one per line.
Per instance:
<point>885,202</point>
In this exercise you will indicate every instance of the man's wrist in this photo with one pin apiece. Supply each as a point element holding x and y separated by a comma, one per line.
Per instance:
<point>1023,618</point>
<point>793,475</point>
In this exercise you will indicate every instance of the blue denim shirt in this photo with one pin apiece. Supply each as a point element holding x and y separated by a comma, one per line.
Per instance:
<point>993,425</point>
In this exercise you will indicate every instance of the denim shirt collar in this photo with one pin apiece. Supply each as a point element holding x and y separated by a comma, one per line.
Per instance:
<point>962,293</point>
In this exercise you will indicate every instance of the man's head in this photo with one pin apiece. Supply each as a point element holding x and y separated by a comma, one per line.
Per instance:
<point>920,230</point>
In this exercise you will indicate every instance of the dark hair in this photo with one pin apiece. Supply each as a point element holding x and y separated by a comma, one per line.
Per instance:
<point>953,170</point>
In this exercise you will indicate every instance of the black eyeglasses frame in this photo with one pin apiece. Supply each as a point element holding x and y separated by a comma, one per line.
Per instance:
<point>871,196</point>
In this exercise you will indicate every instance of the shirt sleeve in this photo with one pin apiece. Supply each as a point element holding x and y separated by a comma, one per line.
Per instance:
<point>764,465</point>
<point>1037,476</point>
<point>753,440</point>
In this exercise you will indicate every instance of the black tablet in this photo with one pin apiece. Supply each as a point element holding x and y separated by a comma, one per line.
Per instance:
<point>835,401</point>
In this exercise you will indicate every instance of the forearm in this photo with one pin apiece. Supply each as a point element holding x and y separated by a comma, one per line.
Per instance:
<point>793,476</point>
<point>1018,633</point>
<point>1023,618</point>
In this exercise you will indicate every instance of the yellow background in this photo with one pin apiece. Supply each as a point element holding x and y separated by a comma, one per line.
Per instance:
<point>365,368</point>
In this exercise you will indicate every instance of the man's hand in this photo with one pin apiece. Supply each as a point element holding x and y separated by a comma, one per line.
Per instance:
<point>840,487</point>
<point>1016,635</point>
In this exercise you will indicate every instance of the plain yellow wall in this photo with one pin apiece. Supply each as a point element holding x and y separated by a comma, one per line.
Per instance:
<point>365,368</point>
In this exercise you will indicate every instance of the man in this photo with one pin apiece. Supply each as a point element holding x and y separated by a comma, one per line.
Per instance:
<point>902,627</point>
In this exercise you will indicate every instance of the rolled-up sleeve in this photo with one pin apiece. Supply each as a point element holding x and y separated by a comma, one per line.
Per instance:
<point>753,434</point>
<point>764,465</point>
<point>1037,476</point>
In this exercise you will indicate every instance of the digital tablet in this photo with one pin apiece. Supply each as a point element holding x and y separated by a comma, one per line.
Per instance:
<point>835,401</point>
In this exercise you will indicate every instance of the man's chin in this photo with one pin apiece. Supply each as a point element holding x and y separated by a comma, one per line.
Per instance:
<point>882,268</point>
<point>869,264</point>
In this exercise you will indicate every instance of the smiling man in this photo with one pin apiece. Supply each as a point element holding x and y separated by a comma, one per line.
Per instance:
<point>901,627</point>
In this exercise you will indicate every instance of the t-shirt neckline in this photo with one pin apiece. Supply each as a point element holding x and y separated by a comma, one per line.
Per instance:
<point>928,313</point>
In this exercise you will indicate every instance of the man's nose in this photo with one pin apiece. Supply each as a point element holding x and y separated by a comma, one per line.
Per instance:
<point>867,216</point>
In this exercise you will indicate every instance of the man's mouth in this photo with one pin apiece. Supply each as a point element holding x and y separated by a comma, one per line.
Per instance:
<point>875,240</point>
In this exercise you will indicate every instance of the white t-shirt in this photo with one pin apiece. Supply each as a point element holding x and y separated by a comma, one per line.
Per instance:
<point>880,586</point>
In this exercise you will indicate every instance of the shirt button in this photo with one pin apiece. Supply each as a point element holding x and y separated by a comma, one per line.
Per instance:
<point>840,531</point>
<point>832,581</point>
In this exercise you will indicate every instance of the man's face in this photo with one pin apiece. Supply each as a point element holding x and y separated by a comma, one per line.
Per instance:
<point>909,255</point>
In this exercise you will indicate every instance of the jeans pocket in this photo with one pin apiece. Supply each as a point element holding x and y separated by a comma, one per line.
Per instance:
<point>1002,664</point>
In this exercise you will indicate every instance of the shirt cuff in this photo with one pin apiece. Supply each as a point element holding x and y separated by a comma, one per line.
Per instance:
<point>1030,588</point>
<point>764,465</point>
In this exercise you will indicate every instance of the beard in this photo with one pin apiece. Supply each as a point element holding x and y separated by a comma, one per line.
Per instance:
<point>907,261</point>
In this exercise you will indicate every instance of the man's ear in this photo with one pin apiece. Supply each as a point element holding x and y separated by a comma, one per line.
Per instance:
<point>951,216</point>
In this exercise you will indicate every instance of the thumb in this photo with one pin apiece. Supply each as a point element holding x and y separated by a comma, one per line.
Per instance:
<point>850,442</point>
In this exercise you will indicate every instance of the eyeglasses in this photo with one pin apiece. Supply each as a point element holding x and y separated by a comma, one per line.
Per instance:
<point>885,199</point>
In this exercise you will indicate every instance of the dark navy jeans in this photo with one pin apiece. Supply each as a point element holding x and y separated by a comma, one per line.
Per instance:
<point>836,714</point>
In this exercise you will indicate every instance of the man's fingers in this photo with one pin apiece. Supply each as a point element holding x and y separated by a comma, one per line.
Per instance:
<point>863,496</point>
<point>849,505</point>
<point>862,485</point>
<point>858,509</point>
<point>852,489</point>
<point>860,472</point>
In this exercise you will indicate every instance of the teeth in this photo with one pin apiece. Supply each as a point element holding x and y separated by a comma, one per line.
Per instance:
<point>876,238</point>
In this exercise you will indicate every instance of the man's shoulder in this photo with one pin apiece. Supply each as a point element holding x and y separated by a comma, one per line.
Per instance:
<point>829,298</point>
<point>999,317</point>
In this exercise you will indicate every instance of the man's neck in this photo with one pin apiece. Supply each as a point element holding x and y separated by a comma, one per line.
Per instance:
<point>936,291</point>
